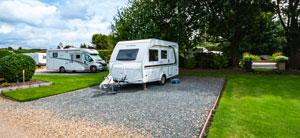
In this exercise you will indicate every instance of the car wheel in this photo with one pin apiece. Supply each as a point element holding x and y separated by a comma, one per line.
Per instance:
<point>93,69</point>
<point>62,70</point>
<point>162,80</point>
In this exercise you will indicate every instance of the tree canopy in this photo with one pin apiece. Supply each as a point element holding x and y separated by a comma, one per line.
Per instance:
<point>240,26</point>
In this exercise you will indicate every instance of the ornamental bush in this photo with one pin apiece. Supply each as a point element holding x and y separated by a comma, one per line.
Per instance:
<point>220,62</point>
<point>12,66</point>
<point>276,54</point>
<point>190,63</point>
<point>281,59</point>
<point>105,54</point>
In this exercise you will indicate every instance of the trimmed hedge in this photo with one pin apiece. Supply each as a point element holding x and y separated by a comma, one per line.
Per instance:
<point>12,66</point>
<point>190,63</point>
<point>105,54</point>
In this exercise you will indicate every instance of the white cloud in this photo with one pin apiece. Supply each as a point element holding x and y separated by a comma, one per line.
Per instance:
<point>6,29</point>
<point>28,11</point>
<point>33,24</point>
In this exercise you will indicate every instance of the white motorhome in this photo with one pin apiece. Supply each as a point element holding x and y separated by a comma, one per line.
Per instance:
<point>39,58</point>
<point>75,59</point>
<point>143,61</point>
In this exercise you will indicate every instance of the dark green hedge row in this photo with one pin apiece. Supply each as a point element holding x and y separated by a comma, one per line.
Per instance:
<point>12,66</point>
<point>5,52</point>
<point>205,61</point>
<point>105,54</point>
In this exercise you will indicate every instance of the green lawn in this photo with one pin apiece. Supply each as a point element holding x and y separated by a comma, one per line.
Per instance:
<point>62,84</point>
<point>256,105</point>
<point>262,69</point>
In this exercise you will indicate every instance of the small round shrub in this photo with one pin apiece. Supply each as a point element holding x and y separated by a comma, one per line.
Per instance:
<point>253,57</point>
<point>190,63</point>
<point>12,66</point>
<point>276,54</point>
<point>281,59</point>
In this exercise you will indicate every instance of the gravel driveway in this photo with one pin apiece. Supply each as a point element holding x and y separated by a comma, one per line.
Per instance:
<point>172,110</point>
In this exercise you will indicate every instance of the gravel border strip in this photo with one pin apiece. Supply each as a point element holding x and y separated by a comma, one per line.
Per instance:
<point>212,112</point>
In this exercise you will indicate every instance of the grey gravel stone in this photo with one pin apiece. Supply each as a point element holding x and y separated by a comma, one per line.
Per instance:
<point>172,110</point>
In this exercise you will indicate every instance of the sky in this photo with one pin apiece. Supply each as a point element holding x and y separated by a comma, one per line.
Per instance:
<point>44,24</point>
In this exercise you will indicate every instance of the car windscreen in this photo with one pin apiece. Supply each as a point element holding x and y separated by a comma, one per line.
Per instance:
<point>127,54</point>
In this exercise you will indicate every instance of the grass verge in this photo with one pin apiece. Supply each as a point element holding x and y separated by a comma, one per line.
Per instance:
<point>61,84</point>
<point>262,69</point>
<point>256,105</point>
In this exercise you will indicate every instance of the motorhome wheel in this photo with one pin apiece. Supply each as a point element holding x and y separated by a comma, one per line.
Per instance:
<point>62,69</point>
<point>163,80</point>
<point>93,69</point>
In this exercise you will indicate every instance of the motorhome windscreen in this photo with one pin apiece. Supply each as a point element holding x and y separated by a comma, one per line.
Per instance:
<point>96,57</point>
<point>127,54</point>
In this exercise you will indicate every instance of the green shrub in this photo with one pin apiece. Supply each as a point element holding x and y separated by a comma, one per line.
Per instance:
<point>4,53</point>
<point>105,54</point>
<point>253,57</point>
<point>271,58</point>
<point>276,54</point>
<point>190,63</point>
<point>281,59</point>
<point>12,66</point>
<point>219,62</point>
<point>204,60</point>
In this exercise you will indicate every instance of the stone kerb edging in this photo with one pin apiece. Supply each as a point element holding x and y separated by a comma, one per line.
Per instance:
<point>5,89</point>
<point>212,112</point>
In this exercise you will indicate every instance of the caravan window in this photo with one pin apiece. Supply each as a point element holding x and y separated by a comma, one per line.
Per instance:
<point>127,54</point>
<point>77,56</point>
<point>54,55</point>
<point>153,55</point>
<point>164,54</point>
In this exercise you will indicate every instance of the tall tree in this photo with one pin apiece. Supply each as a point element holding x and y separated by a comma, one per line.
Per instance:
<point>168,20</point>
<point>289,15</point>
<point>83,45</point>
<point>235,20</point>
<point>100,41</point>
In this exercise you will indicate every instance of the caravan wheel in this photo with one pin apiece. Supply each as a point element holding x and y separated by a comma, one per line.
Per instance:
<point>62,69</point>
<point>162,80</point>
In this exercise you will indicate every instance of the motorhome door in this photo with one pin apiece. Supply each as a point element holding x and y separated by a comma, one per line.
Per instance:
<point>71,62</point>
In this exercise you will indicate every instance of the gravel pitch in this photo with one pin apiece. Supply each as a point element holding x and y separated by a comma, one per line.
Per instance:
<point>172,110</point>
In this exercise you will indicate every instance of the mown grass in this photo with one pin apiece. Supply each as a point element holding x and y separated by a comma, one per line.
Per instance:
<point>62,84</point>
<point>263,69</point>
<point>256,105</point>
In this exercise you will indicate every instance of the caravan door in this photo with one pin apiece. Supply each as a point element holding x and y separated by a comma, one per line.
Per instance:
<point>172,61</point>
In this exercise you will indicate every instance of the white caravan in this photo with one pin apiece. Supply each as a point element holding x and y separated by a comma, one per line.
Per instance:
<point>75,59</point>
<point>39,58</point>
<point>143,61</point>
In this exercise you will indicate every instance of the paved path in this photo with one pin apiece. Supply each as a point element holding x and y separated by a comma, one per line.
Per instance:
<point>172,110</point>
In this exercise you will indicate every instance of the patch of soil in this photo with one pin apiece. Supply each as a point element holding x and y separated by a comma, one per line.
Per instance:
<point>30,82</point>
